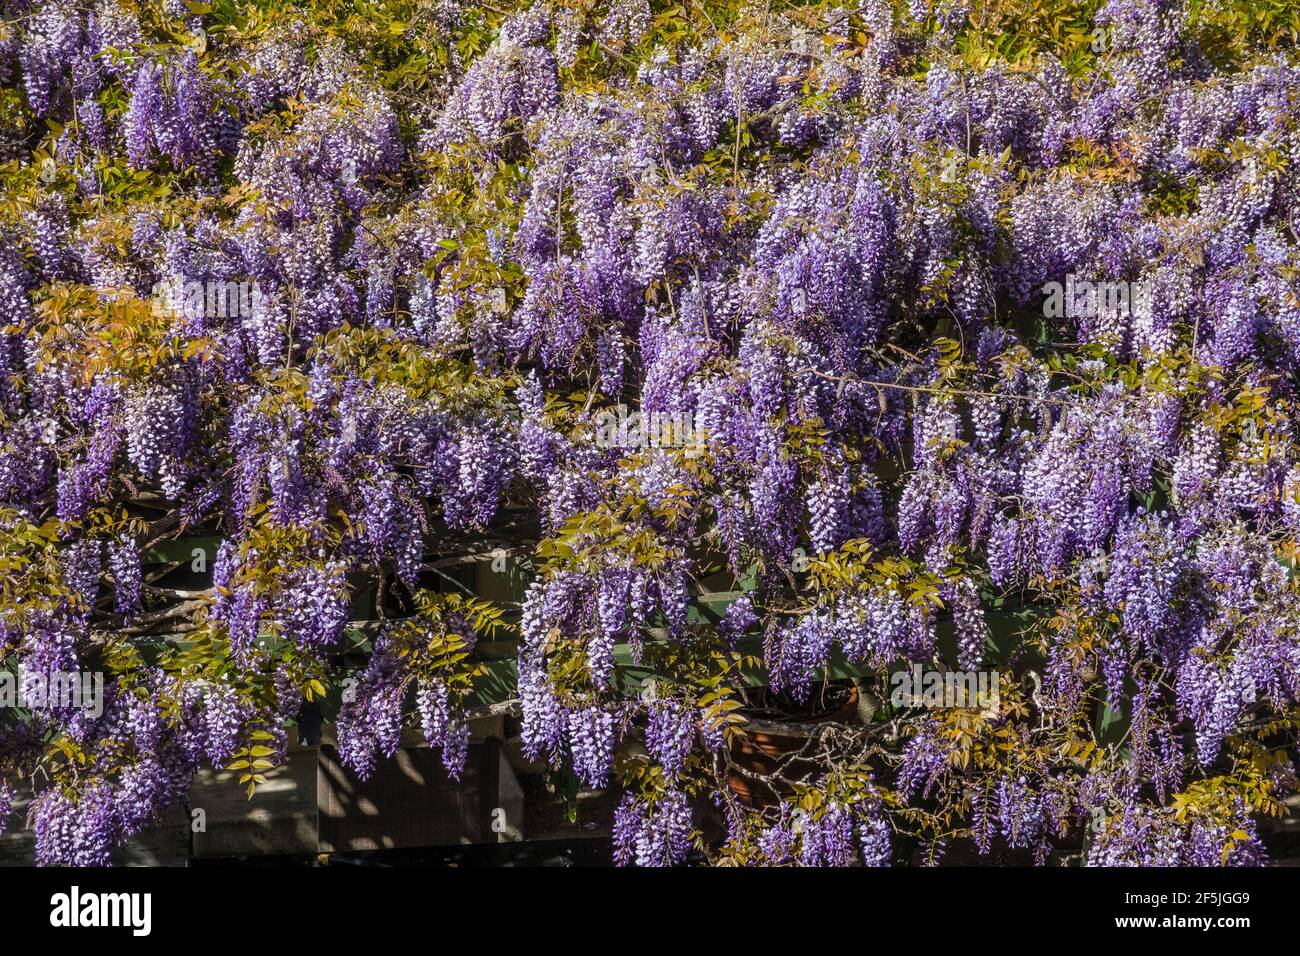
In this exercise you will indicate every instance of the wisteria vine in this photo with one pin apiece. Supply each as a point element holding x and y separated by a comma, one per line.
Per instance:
<point>934,333</point>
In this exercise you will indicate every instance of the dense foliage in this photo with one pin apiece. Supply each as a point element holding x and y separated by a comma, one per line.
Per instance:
<point>826,237</point>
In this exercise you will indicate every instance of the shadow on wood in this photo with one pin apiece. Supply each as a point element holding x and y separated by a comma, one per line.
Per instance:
<point>411,802</point>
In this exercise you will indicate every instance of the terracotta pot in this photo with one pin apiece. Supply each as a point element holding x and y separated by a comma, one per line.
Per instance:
<point>761,752</point>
